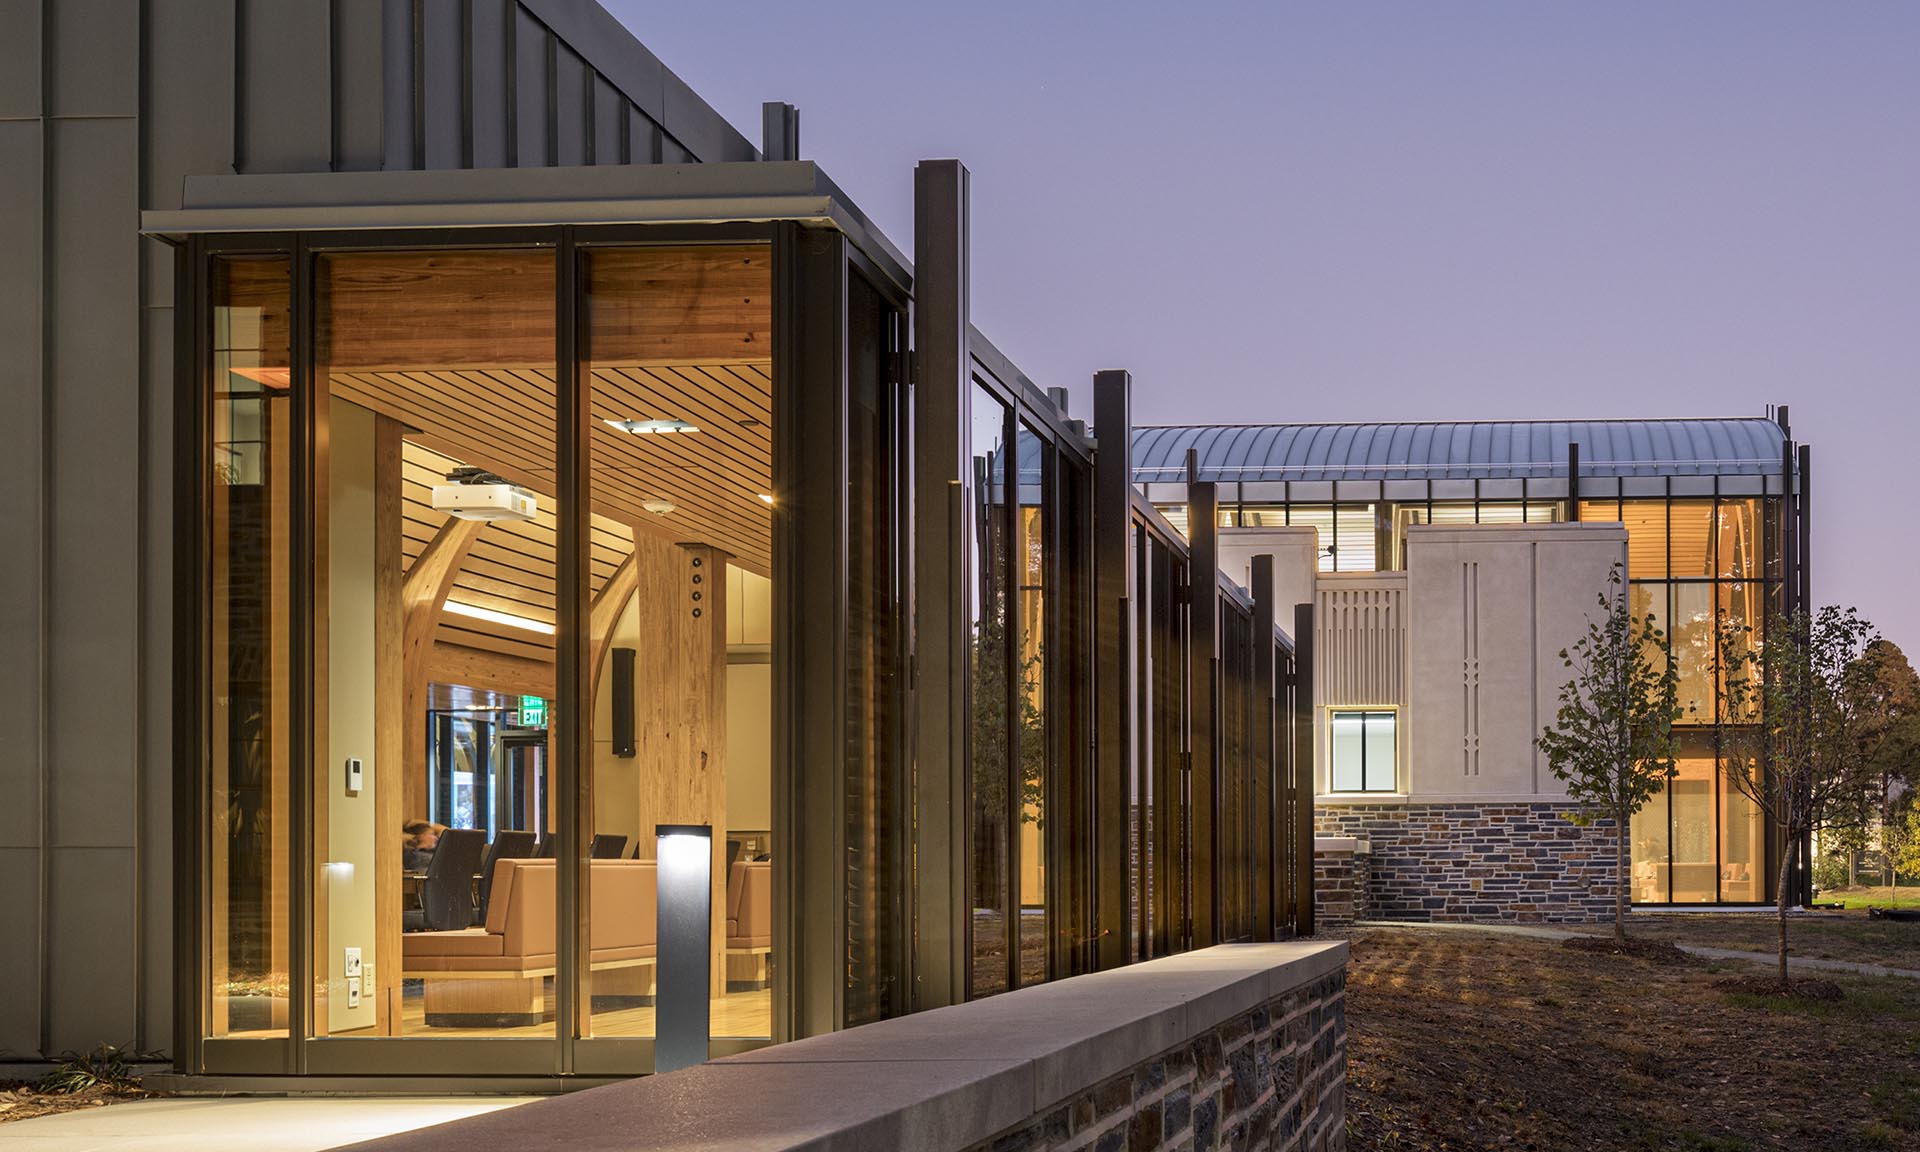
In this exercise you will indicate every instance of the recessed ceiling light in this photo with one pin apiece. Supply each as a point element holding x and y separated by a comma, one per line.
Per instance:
<point>507,618</point>
<point>643,427</point>
<point>766,498</point>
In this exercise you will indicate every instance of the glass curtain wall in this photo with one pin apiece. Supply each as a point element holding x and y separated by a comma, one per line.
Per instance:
<point>1033,555</point>
<point>992,660</point>
<point>435,527</point>
<point>249,700</point>
<point>680,482</point>
<point>1690,562</point>
<point>378,536</point>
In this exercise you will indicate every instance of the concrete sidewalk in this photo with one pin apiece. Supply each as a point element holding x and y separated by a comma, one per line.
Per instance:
<point>240,1123</point>
<point>1699,950</point>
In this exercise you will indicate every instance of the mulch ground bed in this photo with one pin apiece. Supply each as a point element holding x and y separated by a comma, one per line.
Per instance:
<point>1657,951</point>
<point>19,1100</point>
<point>1466,1041</point>
<point>1811,991</point>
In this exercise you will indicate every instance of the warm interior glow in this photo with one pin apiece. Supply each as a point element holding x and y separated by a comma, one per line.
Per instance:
<point>507,618</point>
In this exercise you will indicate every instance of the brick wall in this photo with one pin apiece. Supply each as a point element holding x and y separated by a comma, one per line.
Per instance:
<point>1269,1080</point>
<point>1489,862</point>
<point>1340,881</point>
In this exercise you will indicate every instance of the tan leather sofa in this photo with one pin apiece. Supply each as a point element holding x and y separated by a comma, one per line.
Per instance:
<point>749,924</point>
<point>492,976</point>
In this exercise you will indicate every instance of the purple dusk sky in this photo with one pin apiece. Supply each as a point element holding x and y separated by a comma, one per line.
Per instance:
<point>1363,211</point>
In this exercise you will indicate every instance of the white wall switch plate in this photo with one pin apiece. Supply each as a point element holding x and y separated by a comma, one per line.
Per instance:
<point>353,991</point>
<point>351,968</point>
<point>354,775</point>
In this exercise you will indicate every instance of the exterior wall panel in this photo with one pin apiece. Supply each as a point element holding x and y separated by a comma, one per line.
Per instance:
<point>440,56</point>
<point>22,420</point>
<point>91,955</point>
<point>285,86</point>
<point>20,967</point>
<point>92,42</point>
<point>92,501</point>
<point>358,66</point>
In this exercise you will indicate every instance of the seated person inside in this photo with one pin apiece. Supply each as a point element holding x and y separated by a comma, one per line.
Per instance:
<point>418,840</point>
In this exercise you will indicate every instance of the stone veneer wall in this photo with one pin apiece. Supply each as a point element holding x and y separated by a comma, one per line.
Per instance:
<point>1341,868</point>
<point>1269,1080</point>
<point>1517,862</point>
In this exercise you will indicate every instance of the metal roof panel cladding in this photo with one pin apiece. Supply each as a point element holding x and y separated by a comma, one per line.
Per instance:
<point>1458,450</point>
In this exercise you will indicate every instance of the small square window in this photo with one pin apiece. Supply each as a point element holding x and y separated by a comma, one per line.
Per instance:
<point>1363,751</point>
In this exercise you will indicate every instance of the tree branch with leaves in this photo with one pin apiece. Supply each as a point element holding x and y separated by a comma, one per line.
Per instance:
<point>1612,741</point>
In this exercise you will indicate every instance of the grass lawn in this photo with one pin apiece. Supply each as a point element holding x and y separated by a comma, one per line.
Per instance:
<point>1822,935</point>
<point>1905,896</point>
<point>1467,1041</point>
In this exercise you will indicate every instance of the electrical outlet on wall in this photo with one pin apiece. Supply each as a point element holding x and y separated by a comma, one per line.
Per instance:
<point>354,775</point>
<point>351,968</point>
<point>353,991</point>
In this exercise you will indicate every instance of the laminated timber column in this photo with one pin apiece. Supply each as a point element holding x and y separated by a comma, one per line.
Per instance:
<point>390,696</point>
<point>940,317</point>
<point>680,707</point>
<point>1304,772</point>
<point>1115,684</point>
<point>1203,611</point>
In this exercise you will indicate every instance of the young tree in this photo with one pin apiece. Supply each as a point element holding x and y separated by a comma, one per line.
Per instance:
<point>1793,747</point>
<point>1612,740</point>
<point>1885,694</point>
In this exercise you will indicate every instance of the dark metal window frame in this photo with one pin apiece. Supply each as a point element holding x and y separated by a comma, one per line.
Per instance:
<point>1367,717</point>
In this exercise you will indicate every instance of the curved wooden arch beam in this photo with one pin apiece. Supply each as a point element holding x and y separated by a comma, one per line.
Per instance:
<point>423,596</point>
<point>608,604</point>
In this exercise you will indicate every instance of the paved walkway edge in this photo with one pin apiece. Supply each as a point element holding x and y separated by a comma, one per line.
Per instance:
<point>1700,950</point>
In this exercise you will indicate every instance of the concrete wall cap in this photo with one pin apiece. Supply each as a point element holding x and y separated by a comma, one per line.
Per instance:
<point>945,1078</point>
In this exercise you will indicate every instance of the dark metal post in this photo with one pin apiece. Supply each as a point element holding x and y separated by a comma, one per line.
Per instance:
<point>1265,761</point>
<point>1573,481</point>
<point>1303,768</point>
<point>1203,612</point>
<point>1113,691</point>
<point>942,382</point>
<point>779,131</point>
<point>570,726</point>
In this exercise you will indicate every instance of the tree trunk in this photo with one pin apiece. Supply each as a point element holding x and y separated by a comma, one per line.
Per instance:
<point>1780,899</point>
<point>1620,887</point>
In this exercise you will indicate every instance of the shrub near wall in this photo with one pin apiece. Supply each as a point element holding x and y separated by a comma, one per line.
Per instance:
<point>1520,863</point>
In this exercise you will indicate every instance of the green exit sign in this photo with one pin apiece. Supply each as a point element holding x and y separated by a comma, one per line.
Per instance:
<point>533,712</point>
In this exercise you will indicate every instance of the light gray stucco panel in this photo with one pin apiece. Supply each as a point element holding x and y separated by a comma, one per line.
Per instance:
<point>22,398</point>
<point>20,58</point>
<point>93,503</point>
<point>20,951</point>
<point>286,88</point>
<point>91,956</point>
<point>95,57</point>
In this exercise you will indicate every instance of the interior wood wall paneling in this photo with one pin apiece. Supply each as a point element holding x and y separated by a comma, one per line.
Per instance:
<point>608,603</point>
<point>399,310</point>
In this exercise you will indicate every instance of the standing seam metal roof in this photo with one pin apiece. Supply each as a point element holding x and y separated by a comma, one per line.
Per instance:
<point>1458,451</point>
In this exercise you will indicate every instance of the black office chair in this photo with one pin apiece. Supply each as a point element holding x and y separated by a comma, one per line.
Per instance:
<point>446,897</point>
<point>507,845</point>
<point>549,845</point>
<point>607,846</point>
<point>733,853</point>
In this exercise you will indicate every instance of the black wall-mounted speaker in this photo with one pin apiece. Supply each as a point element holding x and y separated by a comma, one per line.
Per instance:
<point>623,702</point>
